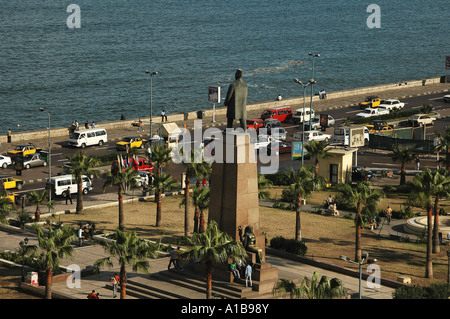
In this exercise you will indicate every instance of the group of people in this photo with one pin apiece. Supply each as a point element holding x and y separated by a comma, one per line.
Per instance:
<point>240,270</point>
<point>93,295</point>
<point>75,126</point>
<point>330,205</point>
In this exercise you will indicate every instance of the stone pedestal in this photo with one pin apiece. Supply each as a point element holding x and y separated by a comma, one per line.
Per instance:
<point>234,199</point>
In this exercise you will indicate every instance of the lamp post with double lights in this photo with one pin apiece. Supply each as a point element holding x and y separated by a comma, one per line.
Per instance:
<point>314,56</point>
<point>151,97</point>
<point>303,116</point>
<point>49,159</point>
<point>365,257</point>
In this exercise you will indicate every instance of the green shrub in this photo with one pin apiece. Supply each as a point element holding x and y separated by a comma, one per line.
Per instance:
<point>434,291</point>
<point>289,245</point>
<point>279,178</point>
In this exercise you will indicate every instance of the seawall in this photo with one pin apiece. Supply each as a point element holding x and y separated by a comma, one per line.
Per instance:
<point>22,137</point>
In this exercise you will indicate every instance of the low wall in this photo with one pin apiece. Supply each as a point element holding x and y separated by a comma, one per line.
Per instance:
<point>20,137</point>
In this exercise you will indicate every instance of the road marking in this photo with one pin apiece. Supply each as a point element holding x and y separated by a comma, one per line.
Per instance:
<point>436,98</point>
<point>354,111</point>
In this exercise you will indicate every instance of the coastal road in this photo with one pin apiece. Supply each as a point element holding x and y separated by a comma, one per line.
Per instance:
<point>39,174</point>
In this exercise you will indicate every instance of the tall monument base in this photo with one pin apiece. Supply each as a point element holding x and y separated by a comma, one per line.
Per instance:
<point>235,204</point>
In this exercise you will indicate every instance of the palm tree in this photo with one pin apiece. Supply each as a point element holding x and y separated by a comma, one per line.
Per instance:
<point>129,250</point>
<point>317,149</point>
<point>56,244</point>
<point>159,184</point>
<point>212,246</point>
<point>6,206</point>
<point>121,178</point>
<point>404,155</point>
<point>197,170</point>
<point>426,185</point>
<point>80,164</point>
<point>159,156</point>
<point>313,288</point>
<point>38,198</point>
<point>346,121</point>
<point>444,145</point>
<point>361,195</point>
<point>442,186</point>
<point>301,185</point>
<point>201,199</point>
<point>263,184</point>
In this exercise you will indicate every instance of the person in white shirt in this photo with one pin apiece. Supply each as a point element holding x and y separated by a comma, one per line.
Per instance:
<point>248,274</point>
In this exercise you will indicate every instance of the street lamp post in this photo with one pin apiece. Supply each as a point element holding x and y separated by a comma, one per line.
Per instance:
<point>364,258</point>
<point>23,245</point>
<point>303,116</point>
<point>314,82</point>
<point>49,159</point>
<point>448,267</point>
<point>151,97</point>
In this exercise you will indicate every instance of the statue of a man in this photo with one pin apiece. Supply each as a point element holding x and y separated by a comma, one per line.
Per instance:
<point>236,101</point>
<point>248,240</point>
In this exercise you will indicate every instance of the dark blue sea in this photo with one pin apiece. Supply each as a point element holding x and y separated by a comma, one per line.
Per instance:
<point>97,72</point>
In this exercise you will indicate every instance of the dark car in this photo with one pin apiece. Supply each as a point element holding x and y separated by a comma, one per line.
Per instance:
<point>359,173</point>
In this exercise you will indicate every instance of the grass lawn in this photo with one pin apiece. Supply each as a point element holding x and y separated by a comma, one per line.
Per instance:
<point>326,237</point>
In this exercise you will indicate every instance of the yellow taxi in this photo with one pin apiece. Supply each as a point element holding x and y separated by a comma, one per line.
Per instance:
<point>132,142</point>
<point>24,149</point>
<point>370,101</point>
<point>8,182</point>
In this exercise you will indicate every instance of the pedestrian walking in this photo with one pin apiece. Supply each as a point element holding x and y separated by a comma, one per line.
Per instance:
<point>388,212</point>
<point>163,116</point>
<point>417,163</point>
<point>87,125</point>
<point>172,258</point>
<point>68,195</point>
<point>140,126</point>
<point>248,274</point>
<point>93,124</point>
<point>115,280</point>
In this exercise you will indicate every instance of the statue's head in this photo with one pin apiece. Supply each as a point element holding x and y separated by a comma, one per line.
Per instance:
<point>239,74</point>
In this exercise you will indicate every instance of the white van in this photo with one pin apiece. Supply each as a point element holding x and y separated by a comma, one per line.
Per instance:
<point>59,185</point>
<point>299,117</point>
<point>93,136</point>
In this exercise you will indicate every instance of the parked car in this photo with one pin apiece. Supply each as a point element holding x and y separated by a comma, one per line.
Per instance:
<point>373,112</point>
<point>281,113</point>
<point>11,182</point>
<point>143,178</point>
<point>391,104</point>
<point>255,124</point>
<point>316,136</point>
<point>446,98</point>
<point>24,150</point>
<point>139,164</point>
<point>421,119</point>
<point>33,161</point>
<point>5,161</point>
<point>131,141</point>
<point>370,101</point>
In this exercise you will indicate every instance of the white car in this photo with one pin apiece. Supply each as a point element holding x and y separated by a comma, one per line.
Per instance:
<point>421,119</point>
<point>5,161</point>
<point>373,112</point>
<point>446,98</point>
<point>392,104</point>
<point>316,136</point>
